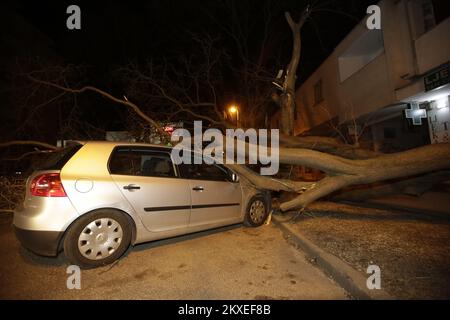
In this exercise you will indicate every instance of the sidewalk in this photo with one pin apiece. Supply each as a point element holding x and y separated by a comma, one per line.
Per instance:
<point>352,280</point>
<point>433,202</point>
<point>411,249</point>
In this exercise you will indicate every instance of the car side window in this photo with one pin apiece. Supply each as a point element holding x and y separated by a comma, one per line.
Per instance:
<point>204,172</point>
<point>141,162</point>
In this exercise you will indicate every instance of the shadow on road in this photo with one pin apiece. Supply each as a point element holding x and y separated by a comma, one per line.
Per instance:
<point>173,240</point>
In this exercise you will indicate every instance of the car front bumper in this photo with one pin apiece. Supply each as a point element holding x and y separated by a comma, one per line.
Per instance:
<point>44,243</point>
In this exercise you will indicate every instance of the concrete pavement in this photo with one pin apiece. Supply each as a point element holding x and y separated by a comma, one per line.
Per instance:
<point>228,263</point>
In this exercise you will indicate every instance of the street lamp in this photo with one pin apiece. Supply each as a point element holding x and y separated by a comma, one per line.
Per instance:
<point>233,109</point>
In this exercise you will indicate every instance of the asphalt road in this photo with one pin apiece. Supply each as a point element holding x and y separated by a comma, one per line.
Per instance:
<point>228,263</point>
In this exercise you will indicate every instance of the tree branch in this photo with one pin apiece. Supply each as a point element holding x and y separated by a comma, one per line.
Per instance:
<point>27,143</point>
<point>124,102</point>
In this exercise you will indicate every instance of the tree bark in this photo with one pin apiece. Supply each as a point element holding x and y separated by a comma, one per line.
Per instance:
<point>344,172</point>
<point>328,145</point>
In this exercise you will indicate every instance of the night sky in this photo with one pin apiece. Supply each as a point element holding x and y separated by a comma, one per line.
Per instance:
<point>114,33</point>
<point>120,31</point>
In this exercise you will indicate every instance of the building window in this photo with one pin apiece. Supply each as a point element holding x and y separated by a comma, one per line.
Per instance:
<point>428,16</point>
<point>318,92</point>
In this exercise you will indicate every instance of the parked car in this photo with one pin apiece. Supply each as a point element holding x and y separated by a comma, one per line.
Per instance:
<point>95,199</point>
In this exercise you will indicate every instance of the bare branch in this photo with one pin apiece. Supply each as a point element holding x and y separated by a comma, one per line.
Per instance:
<point>27,143</point>
<point>124,102</point>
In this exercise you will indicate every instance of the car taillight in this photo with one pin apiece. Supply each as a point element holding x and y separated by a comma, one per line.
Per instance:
<point>47,185</point>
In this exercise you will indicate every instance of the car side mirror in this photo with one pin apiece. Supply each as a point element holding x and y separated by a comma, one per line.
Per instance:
<point>234,177</point>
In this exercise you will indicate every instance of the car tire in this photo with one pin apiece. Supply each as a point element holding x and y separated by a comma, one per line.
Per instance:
<point>257,211</point>
<point>98,238</point>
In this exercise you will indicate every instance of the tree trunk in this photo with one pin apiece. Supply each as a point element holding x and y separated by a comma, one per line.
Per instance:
<point>286,100</point>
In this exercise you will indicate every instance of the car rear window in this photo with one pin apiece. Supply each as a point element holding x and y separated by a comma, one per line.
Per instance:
<point>58,159</point>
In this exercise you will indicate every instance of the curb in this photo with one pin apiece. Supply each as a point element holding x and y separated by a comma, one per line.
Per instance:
<point>343,274</point>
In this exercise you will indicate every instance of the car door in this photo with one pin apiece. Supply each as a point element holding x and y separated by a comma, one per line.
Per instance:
<point>150,182</point>
<point>214,198</point>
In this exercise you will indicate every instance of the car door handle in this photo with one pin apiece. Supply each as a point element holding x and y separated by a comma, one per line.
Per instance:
<point>198,188</point>
<point>131,187</point>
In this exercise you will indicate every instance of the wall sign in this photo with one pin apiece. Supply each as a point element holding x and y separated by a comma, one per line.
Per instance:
<point>437,78</point>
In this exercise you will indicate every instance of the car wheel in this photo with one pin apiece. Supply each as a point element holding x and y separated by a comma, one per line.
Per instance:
<point>257,211</point>
<point>97,238</point>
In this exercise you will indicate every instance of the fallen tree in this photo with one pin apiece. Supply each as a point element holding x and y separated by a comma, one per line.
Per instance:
<point>427,165</point>
<point>341,172</point>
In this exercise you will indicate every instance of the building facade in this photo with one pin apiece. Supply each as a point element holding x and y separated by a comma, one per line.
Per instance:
<point>387,89</point>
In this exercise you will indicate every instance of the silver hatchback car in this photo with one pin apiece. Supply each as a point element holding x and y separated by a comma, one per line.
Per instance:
<point>95,199</point>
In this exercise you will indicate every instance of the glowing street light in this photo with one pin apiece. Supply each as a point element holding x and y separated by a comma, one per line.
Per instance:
<point>233,109</point>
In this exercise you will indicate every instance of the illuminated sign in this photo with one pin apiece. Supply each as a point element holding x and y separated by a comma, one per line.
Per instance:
<point>415,113</point>
<point>437,78</point>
